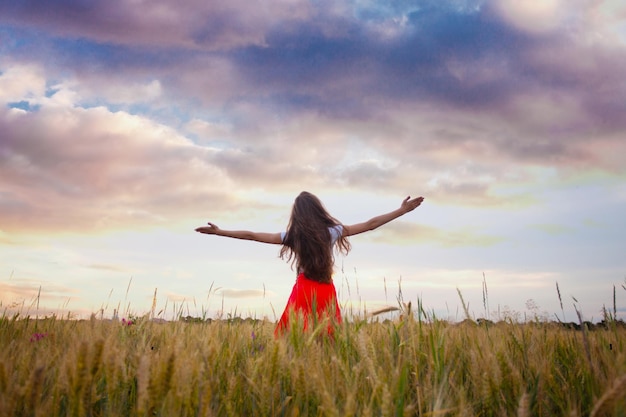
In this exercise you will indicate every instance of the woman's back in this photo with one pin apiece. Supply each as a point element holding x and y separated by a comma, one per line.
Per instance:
<point>311,235</point>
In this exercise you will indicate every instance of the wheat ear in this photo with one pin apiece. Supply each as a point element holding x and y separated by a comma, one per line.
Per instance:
<point>610,397</point>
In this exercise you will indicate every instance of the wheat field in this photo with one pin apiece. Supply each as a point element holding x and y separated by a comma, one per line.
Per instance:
<point>414,365</point>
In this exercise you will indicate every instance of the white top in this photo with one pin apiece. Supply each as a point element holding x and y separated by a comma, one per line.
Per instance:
<point>335,232</point>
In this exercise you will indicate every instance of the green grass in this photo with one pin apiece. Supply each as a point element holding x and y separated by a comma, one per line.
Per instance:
<point>417,365</point>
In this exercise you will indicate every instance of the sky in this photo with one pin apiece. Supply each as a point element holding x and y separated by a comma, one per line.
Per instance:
<point>125,124</point>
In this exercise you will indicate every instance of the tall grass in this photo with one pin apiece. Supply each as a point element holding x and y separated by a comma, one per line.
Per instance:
<point>416,365</point>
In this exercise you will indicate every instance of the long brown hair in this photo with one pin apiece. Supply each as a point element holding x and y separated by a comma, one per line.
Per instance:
<point>307,242</point>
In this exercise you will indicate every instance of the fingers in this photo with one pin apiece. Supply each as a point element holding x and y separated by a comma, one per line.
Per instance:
<point>211,228</point>
<point>412,204</point>
<point>415,200</point>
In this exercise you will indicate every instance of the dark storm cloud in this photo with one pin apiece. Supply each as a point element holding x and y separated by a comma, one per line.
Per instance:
<point>315,62</point>
<point>413,65</point>
<point>197,24</point>
<point>341,61</point>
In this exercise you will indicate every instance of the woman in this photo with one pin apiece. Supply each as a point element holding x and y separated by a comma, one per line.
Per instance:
<point>311,236</point>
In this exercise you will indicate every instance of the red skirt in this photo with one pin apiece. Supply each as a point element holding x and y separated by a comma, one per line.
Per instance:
<point>306,297</point>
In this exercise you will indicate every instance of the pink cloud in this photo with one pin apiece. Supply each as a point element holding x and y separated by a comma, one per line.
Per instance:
<point>208,25</point>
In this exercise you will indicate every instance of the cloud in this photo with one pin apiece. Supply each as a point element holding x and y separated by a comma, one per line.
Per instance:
<point>368,173</point>
<point>107,267</point>
<point>178,297</point>
<point>553,229</point>
<point>194,107</point>
<point>454,59</point>
<point>21,82</point>
<point>7,239</point>
<point>296,56</point>
<point>200,24</point>
<point>535,17</point>
<point>209,132</point>
<point>235,293</point>
<point>71,168</point>
<point>454,56</point>
<point>29,291</point>
<point>402,233</point>
<point>127,93</point>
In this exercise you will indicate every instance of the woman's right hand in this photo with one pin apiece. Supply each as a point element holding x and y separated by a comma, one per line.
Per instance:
<point>211,229</point>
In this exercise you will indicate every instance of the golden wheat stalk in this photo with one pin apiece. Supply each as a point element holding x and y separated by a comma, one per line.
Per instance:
<point>383,310</point>
<point>523,409</point>
<point>610,397</point>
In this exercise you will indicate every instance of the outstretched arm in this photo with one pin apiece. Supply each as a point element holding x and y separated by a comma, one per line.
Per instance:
<point>212,229</point>
<point>407,205</point>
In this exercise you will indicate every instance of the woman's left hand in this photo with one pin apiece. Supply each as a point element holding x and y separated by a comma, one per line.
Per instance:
<point>410,205</point>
